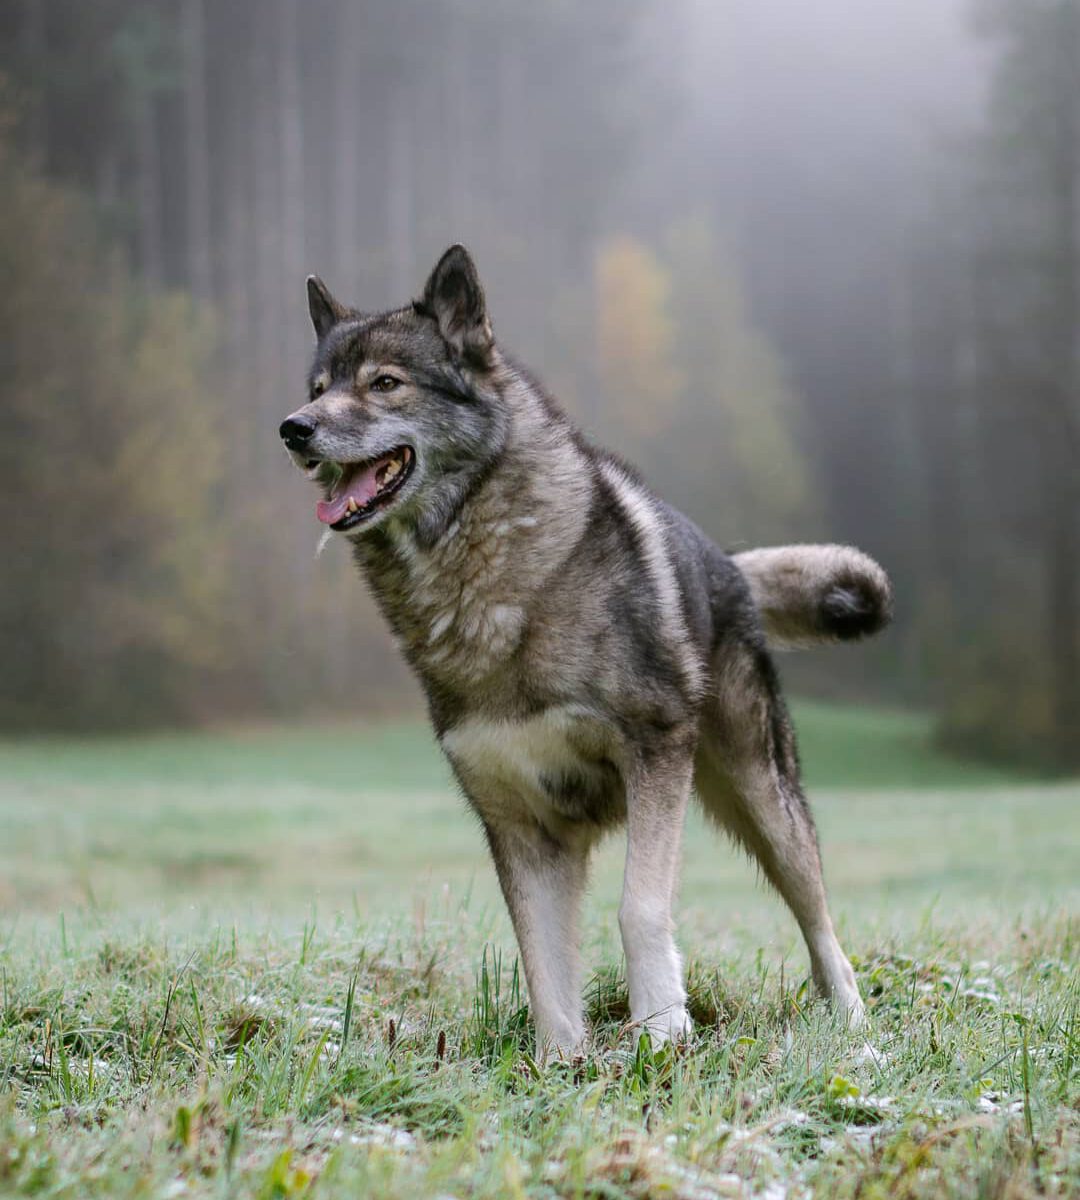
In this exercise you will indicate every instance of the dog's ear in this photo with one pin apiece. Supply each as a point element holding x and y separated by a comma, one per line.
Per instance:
<point>325,310</point>
<point>454,297</point>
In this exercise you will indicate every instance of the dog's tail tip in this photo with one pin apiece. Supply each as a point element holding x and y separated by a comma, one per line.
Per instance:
<point>812,594</point>
<point>857,608</point>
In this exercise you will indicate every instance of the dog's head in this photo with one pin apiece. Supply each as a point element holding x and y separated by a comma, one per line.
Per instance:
<point>403,410</point>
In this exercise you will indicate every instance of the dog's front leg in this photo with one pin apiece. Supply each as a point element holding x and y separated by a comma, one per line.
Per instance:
<point>656,809</point>
<point>543,880</point>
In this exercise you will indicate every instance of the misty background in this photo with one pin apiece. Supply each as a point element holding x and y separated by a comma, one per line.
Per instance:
<point>815,269</point>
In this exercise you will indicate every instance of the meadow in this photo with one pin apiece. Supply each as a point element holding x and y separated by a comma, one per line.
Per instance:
<point>273,962</point>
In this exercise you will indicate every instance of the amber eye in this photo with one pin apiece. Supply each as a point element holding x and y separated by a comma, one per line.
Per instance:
<point>317,388</point>
<point>385,383</point>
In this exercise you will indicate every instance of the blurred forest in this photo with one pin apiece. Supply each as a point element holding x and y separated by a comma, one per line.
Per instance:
<point>815,268</point>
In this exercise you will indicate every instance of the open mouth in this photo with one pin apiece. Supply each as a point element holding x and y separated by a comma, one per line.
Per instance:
<point>365,488</point>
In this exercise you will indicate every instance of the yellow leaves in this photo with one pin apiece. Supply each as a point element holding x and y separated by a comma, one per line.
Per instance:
<point>694,390</point>
<point>117,554</point>
<point>635,335</point>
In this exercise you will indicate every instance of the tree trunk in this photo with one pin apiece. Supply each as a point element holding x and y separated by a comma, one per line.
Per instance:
<point>350,125</point>
<point>238,163</point>
<point>399,194</point>
<point>263,579</point>
<point>460,120</point>
<point>291,154</point>
<point>197,156</point>
<point>148,187</point>
<point>1063,492</point>
<point>35,51</point>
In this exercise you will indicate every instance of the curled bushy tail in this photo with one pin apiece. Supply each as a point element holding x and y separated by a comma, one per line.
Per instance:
<point>812,594</point>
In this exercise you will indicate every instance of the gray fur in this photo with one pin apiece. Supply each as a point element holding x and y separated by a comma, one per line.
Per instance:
<point>588,655</point>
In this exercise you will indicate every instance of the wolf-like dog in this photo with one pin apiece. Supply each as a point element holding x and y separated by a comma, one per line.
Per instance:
<point>589,656</point>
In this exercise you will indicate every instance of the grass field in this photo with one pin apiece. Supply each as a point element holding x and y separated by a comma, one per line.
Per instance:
<point>274,963</point>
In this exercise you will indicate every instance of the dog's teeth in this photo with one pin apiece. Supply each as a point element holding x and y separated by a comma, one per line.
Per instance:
<point>352,505</point>
<point>391,469</point>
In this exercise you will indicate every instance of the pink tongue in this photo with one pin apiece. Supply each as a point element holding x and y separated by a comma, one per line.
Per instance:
<point>360,486</point>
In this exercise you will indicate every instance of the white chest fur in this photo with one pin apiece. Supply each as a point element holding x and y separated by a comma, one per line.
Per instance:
<point>512,765</point>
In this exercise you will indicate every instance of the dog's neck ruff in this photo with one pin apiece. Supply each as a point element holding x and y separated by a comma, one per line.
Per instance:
<point>459,601</point>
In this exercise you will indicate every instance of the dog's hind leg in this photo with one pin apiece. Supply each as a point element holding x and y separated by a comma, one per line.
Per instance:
<point>543,881</point>
<point>656,802</point>
<point>747,778</point>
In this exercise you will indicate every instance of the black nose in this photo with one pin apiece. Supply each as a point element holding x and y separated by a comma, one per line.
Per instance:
<point>296,431</point>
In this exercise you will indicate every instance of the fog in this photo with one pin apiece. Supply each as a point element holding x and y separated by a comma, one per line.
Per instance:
<point>813,267</point>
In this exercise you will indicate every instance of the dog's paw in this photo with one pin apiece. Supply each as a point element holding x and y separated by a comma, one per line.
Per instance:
<point>853,1011</point>
<point>841,992</point>
<point>671,1025</point>
<point>567,1043</point>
